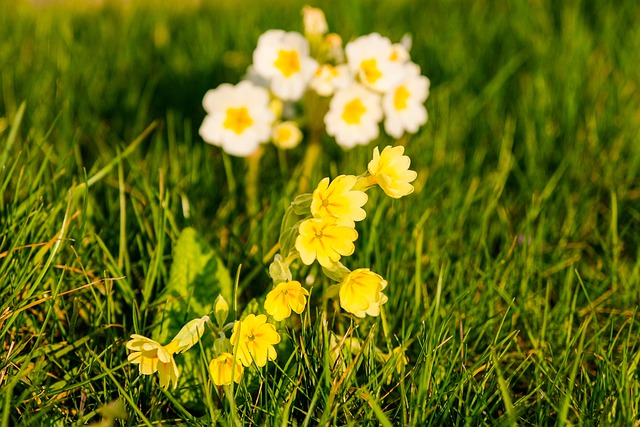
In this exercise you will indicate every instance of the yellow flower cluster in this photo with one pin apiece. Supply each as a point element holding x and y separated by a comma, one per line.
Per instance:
<point>326,233</point>
<point>369,80</point>
<point>251,343</point>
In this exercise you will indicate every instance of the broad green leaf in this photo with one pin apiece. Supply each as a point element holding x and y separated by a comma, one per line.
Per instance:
<point>197,277</point>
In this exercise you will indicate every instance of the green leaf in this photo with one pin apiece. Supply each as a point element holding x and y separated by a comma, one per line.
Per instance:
<point>197,277</point>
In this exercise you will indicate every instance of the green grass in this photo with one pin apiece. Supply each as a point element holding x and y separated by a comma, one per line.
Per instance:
<point>513,270</point>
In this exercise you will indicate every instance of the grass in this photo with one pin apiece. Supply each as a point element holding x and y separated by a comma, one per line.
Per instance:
<point>513,270</point>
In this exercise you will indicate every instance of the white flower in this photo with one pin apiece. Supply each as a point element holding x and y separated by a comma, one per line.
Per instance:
<point>286,135</point>
<point>283,58</point>
<point>404,105</point>
<point>328,78</point>
<point>370,58</point>
<point>399,53</point>
<point>238,117</point>
<point>353,117</point>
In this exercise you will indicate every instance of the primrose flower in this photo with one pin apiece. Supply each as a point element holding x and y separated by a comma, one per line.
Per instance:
<point>339,200</point>
<point>361,292</point>
<point>223,370</point>
<point>353,116</point>
<point>153,357</point>
<point>283,59</point>
<point>286,296</point>
<point>329,78</point>
<point>255,339</point>
<point>286,135</point>
<point>370,58</point>
<point>238,117</point>
<point>404,105</point>
<point>188,336</point>
<point>399,53</point>
<point>325,240</point>
<point>390,170</point>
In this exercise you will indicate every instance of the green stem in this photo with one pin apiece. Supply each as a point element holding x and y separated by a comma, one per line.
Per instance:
<point>310,158</point>
<point>253,176</point>
<point>316,110</point>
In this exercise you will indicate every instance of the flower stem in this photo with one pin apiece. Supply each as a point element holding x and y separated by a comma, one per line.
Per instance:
<point>253,176</point>
<point>315,113</point>
<point>310,158</point>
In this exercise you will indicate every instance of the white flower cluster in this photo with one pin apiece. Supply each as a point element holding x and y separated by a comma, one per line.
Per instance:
<point>371,79</point>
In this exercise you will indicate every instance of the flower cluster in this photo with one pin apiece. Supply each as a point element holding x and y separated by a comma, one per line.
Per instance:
<point>251,343</point>
<point>321,227</point>
<point>347,92</point>
<point>369,80</point>
<point>318,226</point>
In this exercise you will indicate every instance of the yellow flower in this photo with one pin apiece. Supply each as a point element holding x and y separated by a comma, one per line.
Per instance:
<point>153,357</point>
<point>361,292</point>
<point>255,339</point>
<point>286,296</point>
<point>223,368</point>
<point>325,240</point>
<point>188,336</point>
<point>390,169</point>
<point>286,135</point>
<point>339,200</point>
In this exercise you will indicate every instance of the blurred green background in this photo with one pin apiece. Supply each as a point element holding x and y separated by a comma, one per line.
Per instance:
<point>526,212</point>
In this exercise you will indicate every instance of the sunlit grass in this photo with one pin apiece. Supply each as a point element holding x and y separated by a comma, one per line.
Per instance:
<point>513,270</point>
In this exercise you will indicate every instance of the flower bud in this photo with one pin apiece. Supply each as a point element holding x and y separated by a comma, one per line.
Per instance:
<point>315,23</point>
<point>221,310</point>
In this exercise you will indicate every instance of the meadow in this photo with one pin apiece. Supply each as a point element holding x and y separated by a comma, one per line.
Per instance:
<point>513,270</point>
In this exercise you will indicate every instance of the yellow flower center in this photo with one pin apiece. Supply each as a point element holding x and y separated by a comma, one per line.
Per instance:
<point>353,111</point>
<point>325,203</point>
<point>394,55</point>
<point>251,337</point>
<point>284,133</point>
<point>400,98</point>
<point>370,69</point>
<point>238,119</point>
<point>288,62</point>
<point>319,234</point>
<point>284,292</point>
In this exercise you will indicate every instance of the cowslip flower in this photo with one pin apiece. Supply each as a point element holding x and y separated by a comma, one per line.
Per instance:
<point>286,296</point>
<point>223,370</point>
<point>325,240</point>
<point>390,170</point>
<point>286,135</point>
<point>283,59</point>
<point>353,116</point>
<point>338,200</point>
<point>370,58</point>
<point>404,105</point>
<point>361,292</point>
<point>255,338</point>
<point>329,78</point>
<point>152,357</point>
<point>238,117</point>
<point>188,336</point>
